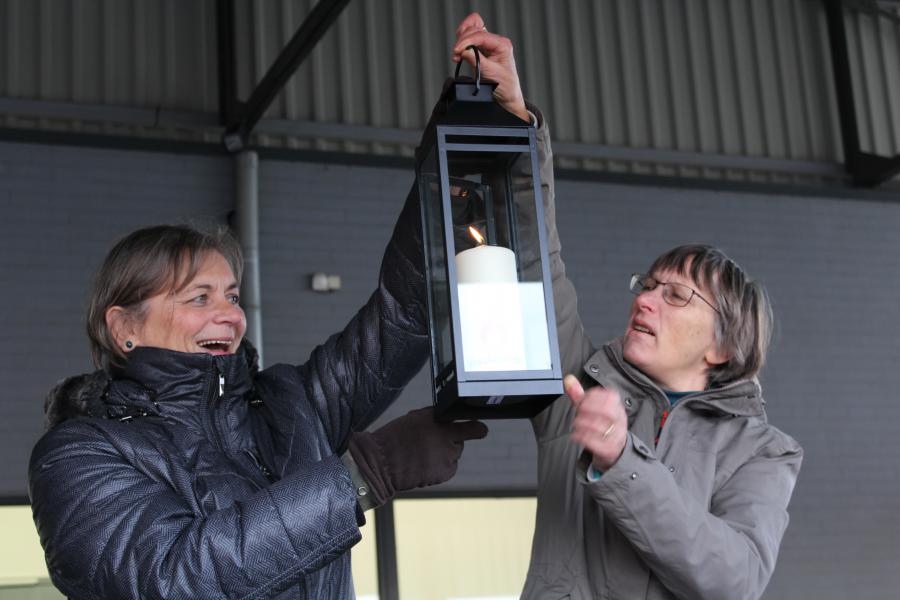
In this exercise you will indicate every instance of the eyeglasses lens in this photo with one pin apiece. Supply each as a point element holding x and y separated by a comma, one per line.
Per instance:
<point>677,294</point>
<point>642,283</point>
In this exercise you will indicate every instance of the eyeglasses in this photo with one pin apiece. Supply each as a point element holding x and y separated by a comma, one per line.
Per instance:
<point>676,294</point>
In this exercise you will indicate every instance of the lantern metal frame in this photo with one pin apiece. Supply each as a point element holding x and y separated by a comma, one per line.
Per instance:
<point>469,121</point>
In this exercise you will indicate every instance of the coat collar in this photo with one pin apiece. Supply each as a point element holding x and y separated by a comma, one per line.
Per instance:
<point>153,381</point>
<point>608,367</point>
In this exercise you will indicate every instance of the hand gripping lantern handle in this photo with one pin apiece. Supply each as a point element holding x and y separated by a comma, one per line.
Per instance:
<point>477,69</point>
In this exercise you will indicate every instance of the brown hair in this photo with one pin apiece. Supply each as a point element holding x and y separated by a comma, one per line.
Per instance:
<point>143,264</point>
<point>744,320</point>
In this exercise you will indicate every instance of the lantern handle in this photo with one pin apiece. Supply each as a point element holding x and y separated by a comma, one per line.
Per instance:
<point>477,69</point>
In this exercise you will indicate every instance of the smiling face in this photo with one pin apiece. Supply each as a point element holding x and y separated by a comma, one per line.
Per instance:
<point>203,316</point>
<point>672,345</point>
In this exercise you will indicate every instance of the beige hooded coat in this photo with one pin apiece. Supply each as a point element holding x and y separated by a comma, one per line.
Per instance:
<point>698,516</point>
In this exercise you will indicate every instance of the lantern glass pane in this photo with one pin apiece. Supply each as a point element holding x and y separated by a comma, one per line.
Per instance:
<point>502,314</point>
<point>430,196</point>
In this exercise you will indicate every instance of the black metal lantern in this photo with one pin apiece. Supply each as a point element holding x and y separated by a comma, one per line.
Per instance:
<point>490,302</point>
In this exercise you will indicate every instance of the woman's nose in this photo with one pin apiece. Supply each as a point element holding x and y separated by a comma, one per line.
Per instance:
<point>229,312</point>
<point>650,299</point>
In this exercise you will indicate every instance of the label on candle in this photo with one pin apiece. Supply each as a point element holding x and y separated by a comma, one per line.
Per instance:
<point>490,317</point>
<point>503,326</point>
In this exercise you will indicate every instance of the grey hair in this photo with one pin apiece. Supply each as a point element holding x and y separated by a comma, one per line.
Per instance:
<point>744,321</point>
<point>147,262</point>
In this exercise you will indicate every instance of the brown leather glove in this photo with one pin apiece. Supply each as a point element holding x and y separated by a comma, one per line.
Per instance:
<point>411,451</point>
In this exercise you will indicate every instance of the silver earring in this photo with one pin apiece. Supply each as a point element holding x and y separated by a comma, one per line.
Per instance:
<point>129,344</point>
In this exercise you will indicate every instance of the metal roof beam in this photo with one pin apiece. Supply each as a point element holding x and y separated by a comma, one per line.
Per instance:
<point>167,121</point>
<point>872,170</point>
<point>317,23</point>
<point>878,8</point>
<point>865,169</point>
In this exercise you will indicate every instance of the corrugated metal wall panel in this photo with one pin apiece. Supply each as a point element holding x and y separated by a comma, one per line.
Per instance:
<point>148,54</point>
<point>710,76</point>
<point>742,78</point>
<point>143,53</point>
<point>874,43</point>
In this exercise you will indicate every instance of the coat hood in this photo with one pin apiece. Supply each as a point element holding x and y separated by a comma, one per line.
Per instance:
<point>85,395</point>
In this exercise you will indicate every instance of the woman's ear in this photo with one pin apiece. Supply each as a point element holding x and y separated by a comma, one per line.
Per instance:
<point>121,326</point>
<point>716,356</point>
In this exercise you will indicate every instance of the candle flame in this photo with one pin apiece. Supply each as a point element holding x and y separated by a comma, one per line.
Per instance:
<point>474,233</point>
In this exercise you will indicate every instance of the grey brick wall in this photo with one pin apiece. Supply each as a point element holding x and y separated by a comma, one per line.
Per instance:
<point>832,267</point>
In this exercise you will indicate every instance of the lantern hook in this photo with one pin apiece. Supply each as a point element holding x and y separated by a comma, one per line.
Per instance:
<point>477,69</point>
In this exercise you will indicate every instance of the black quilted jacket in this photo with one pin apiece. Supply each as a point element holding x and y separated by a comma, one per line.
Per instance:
<point>193,476</point>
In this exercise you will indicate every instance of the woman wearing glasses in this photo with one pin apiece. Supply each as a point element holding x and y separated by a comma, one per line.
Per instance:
<point>659,475</point>
<point>680,486</point>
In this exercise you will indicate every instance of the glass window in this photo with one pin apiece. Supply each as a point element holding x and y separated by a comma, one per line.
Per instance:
<point>435,254</point>
<point>23,572</point>
<point>364,562</point>
<point>500,291</point>
<point>463,549</point>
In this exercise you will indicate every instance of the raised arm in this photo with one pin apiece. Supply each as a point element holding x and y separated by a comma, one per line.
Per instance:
<point>498,64</point>
<point>358,372</point>
<point>574,343</point>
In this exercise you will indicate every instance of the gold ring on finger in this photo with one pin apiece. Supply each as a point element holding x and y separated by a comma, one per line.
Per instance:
<point>608,431</point>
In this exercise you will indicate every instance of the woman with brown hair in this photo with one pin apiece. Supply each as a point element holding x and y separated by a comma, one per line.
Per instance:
<point>180,470</point>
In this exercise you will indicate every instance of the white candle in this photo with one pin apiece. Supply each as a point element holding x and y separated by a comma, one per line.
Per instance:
<point>490,310</point>
<point>486,264</point>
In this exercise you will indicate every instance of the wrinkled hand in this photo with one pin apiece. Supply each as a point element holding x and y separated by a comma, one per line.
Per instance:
<point>411,451</point>
<point>497,62</point>
<point>600,424</point>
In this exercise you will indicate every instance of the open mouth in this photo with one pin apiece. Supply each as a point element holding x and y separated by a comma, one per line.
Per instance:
<point>215,346</point>
<point>642,329</point>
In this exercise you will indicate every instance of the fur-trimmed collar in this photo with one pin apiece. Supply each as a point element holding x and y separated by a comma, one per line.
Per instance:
<point>81,395</point>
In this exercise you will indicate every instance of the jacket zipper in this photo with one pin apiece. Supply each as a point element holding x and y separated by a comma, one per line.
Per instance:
<point>257,460</point>
<point>213,406</point>
<point>668,419</point>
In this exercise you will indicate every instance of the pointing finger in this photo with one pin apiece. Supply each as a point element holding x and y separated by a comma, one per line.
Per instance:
<point>573,389</point>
